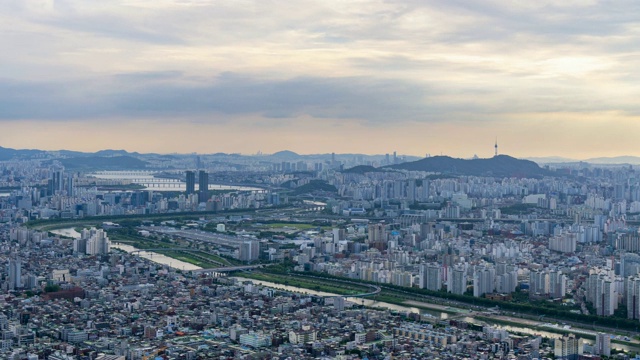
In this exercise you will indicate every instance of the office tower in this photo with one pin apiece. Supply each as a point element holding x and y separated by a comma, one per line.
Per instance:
<point>457,280</point>
<point>58,180</point>
<point>191,182</point>
<point>203,186</point>
<point>484,279</point>
<point>15,274</point>
<point>568,347</point>
<point>70,186</point>
<point>56,183</point>
<point>603,344</point>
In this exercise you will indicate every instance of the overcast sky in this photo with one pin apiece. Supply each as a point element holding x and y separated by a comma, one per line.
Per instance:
<point>447,76</point>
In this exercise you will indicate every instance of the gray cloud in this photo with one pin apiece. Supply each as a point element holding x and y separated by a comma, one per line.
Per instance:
<point>411,60</point>
<point>168,95</point>
<point>160,95</point>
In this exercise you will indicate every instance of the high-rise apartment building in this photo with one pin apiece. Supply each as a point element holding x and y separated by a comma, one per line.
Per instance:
<point>606,297</point>
<point>377,236</point>
<point>632,297</point>
<point>568,347</point>
<point>506,283</point>
<point>557,284</point>
<point>431,276</point>
<point>15,274</point>
<point>98,242</point>
<point>249,250</point>
<point>629,265</point>
<point>603,344</point>
<point>484,279</point>
<point>539,282</point>
<point>377,232</point>
<point>457,281</point>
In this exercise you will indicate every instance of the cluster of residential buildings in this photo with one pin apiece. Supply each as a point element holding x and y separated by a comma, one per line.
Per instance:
<point>571,239</point>
<point>116,305</point>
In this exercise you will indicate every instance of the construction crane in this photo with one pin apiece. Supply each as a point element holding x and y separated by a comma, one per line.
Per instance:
<point>154,353</point>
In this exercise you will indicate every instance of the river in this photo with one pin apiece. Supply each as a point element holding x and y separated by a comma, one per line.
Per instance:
<point>435,313</point>
<point>150,255</point>
<point>157,258</point>
<point>146,177</point>
<point>68,232</point>
<point>358,301</point>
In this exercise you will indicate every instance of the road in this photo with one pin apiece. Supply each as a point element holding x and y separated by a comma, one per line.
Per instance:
<point>518,318</point>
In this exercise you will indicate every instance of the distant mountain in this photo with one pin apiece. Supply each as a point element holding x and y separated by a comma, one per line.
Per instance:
<point>103,163</point>
<point>286,154</point>
<point>632,160</point>
<point>110,152</point>
<point>361,169</point>
<point>315,187</point>
<point>500,166</point>
<point>551,160</point>
<point>9,154</point>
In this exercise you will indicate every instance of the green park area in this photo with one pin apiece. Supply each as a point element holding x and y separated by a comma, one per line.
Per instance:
<point>310,284</point>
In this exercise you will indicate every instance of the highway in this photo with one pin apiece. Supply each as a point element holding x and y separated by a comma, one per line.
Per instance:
<point>441,304</point>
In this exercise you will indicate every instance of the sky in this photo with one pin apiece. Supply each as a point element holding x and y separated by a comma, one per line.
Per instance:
<point>544,78</point>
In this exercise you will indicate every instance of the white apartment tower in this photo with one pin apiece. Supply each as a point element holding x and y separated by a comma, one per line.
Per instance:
<point>457,281</point>
<point>98,242</point>
<point>484,279</point>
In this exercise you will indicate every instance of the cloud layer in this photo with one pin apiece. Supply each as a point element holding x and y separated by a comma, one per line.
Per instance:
<point>397,64</point>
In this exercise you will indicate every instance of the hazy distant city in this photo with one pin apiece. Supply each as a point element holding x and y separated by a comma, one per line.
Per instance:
<point>349,180</point>
<point>118,255</point>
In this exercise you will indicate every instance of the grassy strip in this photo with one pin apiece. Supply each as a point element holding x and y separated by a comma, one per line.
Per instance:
<point>292,226</point>
<point>9,188</point>
<point>521,308</point>
<point>228,262</point>
<point>142,243</point>
<point>554,330</point>
<point>50,224</point>
<point>184,256</point>
<point>305,284</point>
<point>401,301</point>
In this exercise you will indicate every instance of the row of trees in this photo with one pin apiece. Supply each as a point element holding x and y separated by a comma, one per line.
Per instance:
<point>549,310</point>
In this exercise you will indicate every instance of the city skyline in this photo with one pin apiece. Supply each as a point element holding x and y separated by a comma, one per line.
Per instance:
<point>417,77</point>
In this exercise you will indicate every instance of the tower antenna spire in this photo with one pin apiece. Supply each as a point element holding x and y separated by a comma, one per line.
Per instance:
<point>496,147</point>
